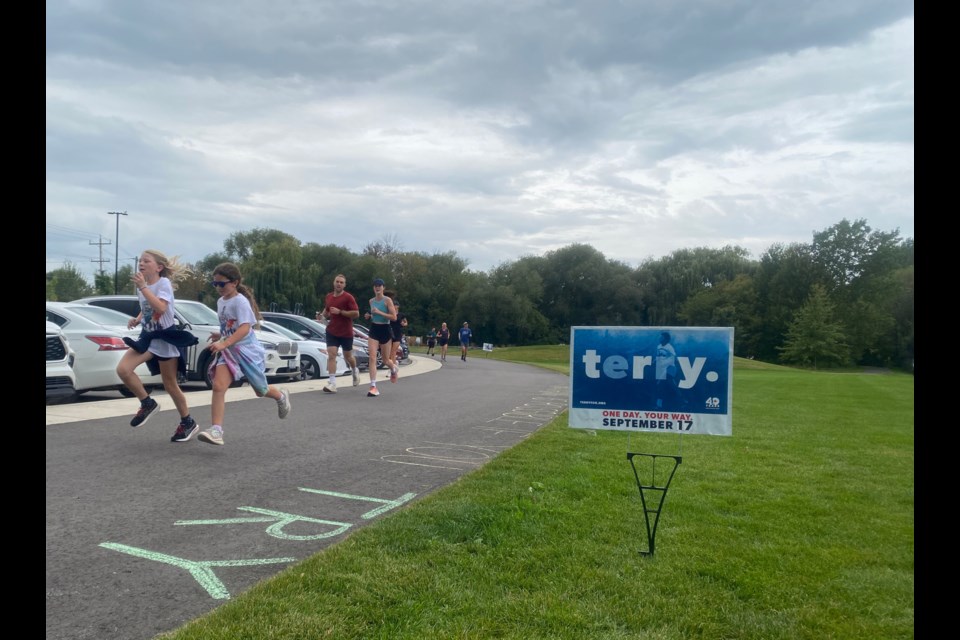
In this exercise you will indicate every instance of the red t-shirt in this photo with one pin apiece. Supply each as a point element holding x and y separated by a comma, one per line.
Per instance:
<point>339,325</point>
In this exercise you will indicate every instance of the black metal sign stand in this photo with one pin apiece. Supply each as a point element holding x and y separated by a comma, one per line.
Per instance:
<point>653,486</point>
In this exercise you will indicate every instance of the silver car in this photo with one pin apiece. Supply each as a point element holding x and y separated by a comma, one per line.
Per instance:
<point>313,353</point>
<point>313,330</point>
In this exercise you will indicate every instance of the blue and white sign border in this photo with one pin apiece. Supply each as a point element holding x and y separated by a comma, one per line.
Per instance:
<point>613,383</point>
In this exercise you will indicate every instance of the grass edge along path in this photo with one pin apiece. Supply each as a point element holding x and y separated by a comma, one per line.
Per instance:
<point>800,525</point>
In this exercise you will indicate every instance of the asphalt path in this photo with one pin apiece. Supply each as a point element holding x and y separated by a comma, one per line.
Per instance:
<point>144,535</point>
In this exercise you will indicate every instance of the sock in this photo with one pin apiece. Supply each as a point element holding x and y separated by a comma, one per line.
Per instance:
<point>333,380</point>
<point>216,427</point>
<point>146,401</point>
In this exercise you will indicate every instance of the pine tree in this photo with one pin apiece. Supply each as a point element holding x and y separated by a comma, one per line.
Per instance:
<point>815,337</point>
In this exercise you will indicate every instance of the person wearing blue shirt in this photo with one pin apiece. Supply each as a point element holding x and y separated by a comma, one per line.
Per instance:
<point>465,335</point>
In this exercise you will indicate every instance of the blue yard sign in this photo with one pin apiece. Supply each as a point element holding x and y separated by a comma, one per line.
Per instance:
<point>652,379</point>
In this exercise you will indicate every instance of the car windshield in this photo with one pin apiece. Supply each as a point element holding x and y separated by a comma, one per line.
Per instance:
<point>100,315</point>
<point>281,330</point>
<point>197,312</point>
<point>313,324</point>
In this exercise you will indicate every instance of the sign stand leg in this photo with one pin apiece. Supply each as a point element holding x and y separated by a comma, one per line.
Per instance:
<point>652,486</point>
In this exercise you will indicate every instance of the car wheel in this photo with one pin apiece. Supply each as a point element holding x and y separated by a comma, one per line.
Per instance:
<point>379,359</point>
<point>309,368</point>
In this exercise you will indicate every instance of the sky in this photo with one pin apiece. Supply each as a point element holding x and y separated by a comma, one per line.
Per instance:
<point>491,129</point>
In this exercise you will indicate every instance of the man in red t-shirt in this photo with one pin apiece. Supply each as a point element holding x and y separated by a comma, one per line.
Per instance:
<point>340,308</point>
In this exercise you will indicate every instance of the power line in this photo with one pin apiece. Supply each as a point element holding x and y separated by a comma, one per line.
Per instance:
<point>55,229</point>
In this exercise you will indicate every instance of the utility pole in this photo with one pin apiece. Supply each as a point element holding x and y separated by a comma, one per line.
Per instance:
<point>101,260</point>
<point>116,246</point>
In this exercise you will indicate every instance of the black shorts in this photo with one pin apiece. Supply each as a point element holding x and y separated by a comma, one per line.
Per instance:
<point>443,342</point>
<point>381,333</point>
<point>431,343</point>
<point>153,364</point>
<point>397,334</point>
<point>336,341</point>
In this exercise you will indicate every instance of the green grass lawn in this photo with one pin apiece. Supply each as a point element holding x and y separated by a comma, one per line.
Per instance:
<point>799,526</point>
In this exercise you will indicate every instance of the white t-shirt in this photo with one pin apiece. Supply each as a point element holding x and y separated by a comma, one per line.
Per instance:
<point>152,321</point>
<point>234,313</point>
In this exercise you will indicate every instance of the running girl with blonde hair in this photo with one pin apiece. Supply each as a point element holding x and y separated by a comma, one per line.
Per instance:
<point>155,279</point>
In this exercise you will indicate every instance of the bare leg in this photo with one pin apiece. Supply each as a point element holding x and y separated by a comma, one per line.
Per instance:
<point>387,351</point>
<point>374,345</point>
<point>168,372</point>
<point>272,392</point>
<point>332,360</point>
<point>221,382</point>
<point>349,357</point>
<point>126,370</point>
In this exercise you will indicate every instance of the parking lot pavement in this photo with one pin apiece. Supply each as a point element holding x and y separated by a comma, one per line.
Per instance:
<point>77,411</point>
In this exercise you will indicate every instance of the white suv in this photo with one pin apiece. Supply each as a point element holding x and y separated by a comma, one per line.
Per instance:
<point>61,381</point>
<point>282,355</point>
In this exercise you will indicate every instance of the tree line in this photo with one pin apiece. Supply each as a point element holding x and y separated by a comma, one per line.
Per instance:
<point>844,299</point>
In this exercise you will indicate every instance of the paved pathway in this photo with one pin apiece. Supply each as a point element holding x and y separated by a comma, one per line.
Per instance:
<point>143,534</point>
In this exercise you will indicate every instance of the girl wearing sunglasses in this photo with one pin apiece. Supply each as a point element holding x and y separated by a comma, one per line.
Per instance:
<point>237,352</point>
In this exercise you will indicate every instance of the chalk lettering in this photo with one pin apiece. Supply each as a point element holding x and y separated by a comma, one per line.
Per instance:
<point>200,570</point>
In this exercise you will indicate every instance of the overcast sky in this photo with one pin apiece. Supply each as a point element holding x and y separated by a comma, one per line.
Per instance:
<point>493,129</point>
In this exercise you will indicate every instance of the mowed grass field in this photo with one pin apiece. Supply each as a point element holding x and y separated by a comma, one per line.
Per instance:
<point>799,526</point>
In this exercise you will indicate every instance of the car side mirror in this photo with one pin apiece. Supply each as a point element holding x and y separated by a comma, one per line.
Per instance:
<point>305,333</point>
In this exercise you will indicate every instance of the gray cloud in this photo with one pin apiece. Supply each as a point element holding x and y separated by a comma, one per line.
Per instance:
<point>493,129</point>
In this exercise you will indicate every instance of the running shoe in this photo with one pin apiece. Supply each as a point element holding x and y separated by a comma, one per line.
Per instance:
<point>188,426</point>
<point>211,435</point>
<point>373,393</point>
<point>356,376</point>
<point>283,404</point>
<point>330,388</point>
<point>147,408</point>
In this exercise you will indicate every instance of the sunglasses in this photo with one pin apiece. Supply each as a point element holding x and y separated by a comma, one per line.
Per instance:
<point>220,285</point>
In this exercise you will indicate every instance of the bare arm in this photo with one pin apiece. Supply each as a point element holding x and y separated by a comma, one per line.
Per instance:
<point>237,336</point>
<point>391,310</point>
